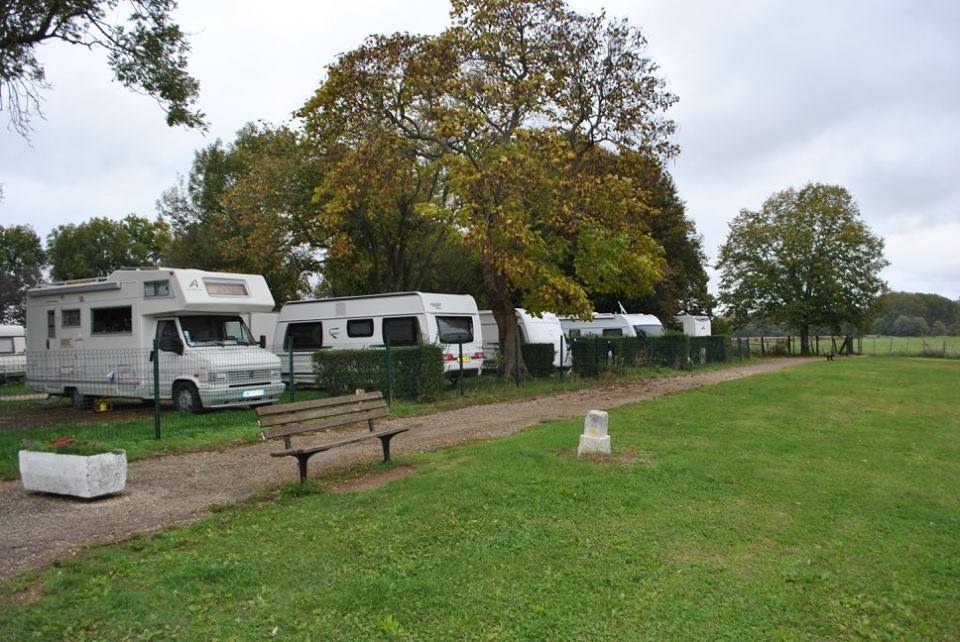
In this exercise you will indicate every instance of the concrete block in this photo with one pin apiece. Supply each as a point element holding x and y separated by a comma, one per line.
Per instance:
<point>594,445</point>
<point>76,475</point>
<point>595,424</point>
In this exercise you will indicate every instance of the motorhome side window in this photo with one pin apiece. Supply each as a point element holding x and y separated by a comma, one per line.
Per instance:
<point>156,288</point>
<point>305,336</point>
<point>70,319</point>
<point>360,328</point>
<point>455,329</point>
<point>51,324</point>
<point>612,332</point>
<point>401,331</point>
<point>6,345</point>
<point>112,320</point>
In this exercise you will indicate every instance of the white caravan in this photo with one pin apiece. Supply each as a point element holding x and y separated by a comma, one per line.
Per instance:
<point>694,325</point>
<point>542,329</point>
<point>94,338</point>
<point>263,324</point>
<point>613,325</point>
<point>13,357</point>
<point>355,322</point>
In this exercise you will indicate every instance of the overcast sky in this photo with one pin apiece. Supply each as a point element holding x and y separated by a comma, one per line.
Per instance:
<point>772,94</point>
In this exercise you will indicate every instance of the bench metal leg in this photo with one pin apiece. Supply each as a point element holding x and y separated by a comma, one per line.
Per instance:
<point>385,442</point>
<point>302,465</point>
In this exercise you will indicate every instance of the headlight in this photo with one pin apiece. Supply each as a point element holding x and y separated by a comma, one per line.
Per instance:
<point>216,377</point>
<point>275,373</point>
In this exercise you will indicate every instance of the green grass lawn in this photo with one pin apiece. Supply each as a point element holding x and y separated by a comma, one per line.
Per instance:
<point>815,503</point>
<point>231,427</point>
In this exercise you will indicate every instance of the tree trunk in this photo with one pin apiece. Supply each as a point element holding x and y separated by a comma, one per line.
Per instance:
<point>805,340</point>
<point>507,328</point>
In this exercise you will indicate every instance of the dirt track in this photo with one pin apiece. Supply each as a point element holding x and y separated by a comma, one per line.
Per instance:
<point>38,529</point>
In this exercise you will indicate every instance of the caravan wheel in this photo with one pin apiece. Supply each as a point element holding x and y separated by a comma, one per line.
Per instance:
<point>186,398</point>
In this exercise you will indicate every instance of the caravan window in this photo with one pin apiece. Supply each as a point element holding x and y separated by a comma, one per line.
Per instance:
<point>305,336</point>
<point>156,288</point>
<point>574,334</point>
<point>360,328</point>
<point>6,345</point>
<point>215,330</point>
<point>51,324</point>
<point>112,320</point>
<point>70,319</point>
<point>401,331</point>
<point>455,329</point>
<point>612,332</point>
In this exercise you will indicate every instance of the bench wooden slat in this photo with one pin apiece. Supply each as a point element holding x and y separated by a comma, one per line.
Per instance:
<point>337,444</point>
<point>319,413</point>
<point>277,409</point>
<point>342,420</point>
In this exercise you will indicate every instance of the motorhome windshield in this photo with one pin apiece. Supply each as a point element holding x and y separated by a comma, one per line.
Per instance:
<point>199,331</point>
<point>639,330</point>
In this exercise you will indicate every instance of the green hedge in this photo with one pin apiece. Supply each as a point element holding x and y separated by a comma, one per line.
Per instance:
<point>685,353</point>
<point>593,355</point>
<point>417,371</point>
<point>538,358</point>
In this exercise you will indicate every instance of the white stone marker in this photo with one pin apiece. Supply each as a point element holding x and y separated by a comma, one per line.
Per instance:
<point>594,438</point>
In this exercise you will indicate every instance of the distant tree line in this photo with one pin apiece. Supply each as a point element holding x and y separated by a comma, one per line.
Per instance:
<point>915,314</point>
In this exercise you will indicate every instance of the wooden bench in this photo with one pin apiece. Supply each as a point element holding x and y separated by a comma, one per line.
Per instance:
<point>301,417</point>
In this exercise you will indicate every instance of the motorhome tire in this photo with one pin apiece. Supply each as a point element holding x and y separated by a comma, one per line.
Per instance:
<point>186,398</point>
<point>80,400</point>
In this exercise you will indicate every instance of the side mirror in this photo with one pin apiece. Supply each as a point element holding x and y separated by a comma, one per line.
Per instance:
<point>263,341</point>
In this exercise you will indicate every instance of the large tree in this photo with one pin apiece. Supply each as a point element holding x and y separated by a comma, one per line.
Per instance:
<point>21,264</point>
<point>683,287</point>
<point>145,49</point>
<point>99,246</point>
<point>520,102</point>
<point>805,259</point>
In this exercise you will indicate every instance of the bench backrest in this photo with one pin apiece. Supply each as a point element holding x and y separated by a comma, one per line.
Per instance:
<point>283,420</point>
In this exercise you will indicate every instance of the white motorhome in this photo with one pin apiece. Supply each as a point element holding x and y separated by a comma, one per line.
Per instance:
<point>13,357</point>
<point>355,322</point>
<point>543,329</point>
<point>613,325</point>
<point>94,338</point>
<point>694,325</point>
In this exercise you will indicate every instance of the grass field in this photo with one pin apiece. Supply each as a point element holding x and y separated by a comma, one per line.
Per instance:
<point>819,502</point>
<point>231,427</point>
<point>870,345</point>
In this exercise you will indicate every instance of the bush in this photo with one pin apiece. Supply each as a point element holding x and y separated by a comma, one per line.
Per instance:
<point>538,358</point>
<point>593,355</point>
<point>906,326</point>
<point>417,371</point>
<point>669,350</point>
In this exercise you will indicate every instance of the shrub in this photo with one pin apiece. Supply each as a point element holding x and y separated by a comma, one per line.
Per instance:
<point>417,372</point>
<point>538,358</point>
<point>669,350</point>
<point>906,326</point>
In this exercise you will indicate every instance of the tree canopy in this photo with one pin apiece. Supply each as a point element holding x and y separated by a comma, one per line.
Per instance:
<point>805,259</point>
<point>100,245</point>
<point>146,50</point>
<point>521,104</point>
<point>21,264</point>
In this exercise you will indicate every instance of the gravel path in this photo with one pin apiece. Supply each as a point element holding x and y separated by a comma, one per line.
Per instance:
<point>35,529</point>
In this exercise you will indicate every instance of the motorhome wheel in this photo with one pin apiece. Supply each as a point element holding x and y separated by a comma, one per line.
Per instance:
<point>186,398</point>
<point>80,400</point>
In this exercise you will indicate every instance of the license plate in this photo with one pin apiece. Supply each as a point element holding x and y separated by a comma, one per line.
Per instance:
<point>249,394</point>
<point>465,359</point>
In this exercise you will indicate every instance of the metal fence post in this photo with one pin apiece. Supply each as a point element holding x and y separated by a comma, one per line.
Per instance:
<point>290,373</point>
<point>763,349</point>
<point>156,389</point>
<point>561,355</point>
<point>386,343</point>
<point>461,368</point>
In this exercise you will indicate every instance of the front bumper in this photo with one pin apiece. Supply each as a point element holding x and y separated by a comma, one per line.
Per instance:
<point>223,396</point>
